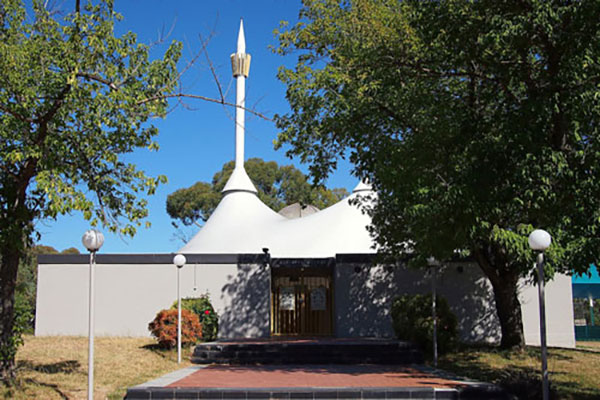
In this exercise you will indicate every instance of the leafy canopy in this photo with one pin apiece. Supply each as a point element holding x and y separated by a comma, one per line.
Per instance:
<point>277,187</point>
<point>475,121</point>
<point>73,99</point>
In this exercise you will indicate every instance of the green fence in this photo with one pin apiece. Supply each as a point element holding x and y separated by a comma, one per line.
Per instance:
<point>587,332</point>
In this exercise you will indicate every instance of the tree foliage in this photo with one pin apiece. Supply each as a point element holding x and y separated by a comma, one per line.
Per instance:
<point>73,99</point>
<point>475,121</point>
<point>277,187</point>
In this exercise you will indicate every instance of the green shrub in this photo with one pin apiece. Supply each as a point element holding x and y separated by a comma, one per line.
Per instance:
<point>412,320</point>
<point>164,328</point>
<point>202,307</point>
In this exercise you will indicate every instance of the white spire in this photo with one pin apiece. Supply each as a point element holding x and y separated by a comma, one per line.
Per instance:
<point>241,43</point>
<point>240,64</point>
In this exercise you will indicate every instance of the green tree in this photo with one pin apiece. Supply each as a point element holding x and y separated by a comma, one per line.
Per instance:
<point>73,99</point>
<point>475,121</point>
<point>277,187</point>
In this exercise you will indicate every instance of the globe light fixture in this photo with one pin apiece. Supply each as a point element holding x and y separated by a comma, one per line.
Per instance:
<point>179,261</point>
<point>539,240</point>
<point>93,241</point>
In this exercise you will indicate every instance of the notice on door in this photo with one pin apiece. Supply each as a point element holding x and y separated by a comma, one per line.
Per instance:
<point>318,301</point>
<point>287,299</point>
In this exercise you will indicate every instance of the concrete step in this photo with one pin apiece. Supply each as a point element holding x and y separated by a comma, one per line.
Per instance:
<point>316,352</point>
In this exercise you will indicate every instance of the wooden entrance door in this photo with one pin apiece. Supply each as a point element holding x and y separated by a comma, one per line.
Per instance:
<point>302,302</point>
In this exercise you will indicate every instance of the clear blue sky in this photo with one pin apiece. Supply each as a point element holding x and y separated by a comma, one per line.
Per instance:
<point>194,144</point>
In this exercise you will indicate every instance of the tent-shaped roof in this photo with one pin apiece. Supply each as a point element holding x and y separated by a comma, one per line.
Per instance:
<point>243,224</point>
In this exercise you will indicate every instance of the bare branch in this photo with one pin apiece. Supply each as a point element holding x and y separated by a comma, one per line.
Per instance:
<point>205,98</point>
<point>192,61</point>
<point>211,66</point>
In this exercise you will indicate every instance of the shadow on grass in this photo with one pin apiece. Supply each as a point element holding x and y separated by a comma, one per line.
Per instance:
<point>20,385</point>
<point>48,385</point>
<point>61,367</point>
<point>167,354</point>
<point>160,351</point>
<point>523,382</point>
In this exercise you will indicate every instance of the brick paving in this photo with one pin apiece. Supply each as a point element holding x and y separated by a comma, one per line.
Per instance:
<point>305,376</point>
<point>319,380</point>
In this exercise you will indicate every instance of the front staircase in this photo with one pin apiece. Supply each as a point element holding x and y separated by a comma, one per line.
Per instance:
<point>283,368</point>
<point>308,351</point>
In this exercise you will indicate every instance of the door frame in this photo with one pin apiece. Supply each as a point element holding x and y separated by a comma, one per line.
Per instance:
<point>303,268</point>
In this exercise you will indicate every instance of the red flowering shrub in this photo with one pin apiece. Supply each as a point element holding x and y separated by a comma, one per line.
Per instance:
<point>202,307</point>
<point>164,328</point>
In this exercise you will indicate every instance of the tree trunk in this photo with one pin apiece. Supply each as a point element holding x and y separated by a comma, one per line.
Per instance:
<point>508,308</point>
<point>16,225</point>
<point>9,267</point>
<point>504,280</point>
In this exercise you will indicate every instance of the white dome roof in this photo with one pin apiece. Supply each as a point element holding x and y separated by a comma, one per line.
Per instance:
<point>244,224</point>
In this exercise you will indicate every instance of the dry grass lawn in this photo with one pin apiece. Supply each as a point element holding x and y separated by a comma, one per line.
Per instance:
<point>56,367</point>
<point>574,374</point>
<point>592,346</point>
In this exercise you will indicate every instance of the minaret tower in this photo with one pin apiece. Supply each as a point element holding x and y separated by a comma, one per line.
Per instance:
<point>240,65</point>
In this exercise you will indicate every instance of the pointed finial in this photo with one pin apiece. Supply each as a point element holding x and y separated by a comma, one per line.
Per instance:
<point>241,43</point>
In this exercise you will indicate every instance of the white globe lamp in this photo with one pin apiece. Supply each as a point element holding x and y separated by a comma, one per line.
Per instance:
<point>179,260</point>
<point>539,240</point>
<point>92,240</point>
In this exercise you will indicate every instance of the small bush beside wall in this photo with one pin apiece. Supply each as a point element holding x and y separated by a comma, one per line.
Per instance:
<point>202,307</point>
<point>164,328</point>
<point>412,320</point>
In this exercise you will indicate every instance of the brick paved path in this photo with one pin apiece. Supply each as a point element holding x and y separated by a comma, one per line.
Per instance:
<point>323,376</point>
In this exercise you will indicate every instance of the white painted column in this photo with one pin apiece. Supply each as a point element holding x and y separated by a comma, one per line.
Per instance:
<point>240,120</point>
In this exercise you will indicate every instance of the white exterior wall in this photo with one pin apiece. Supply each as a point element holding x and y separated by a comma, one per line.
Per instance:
<point>560,325</point>
<point>128,296</point>
<point>364,299</point>
<point>363,302</point>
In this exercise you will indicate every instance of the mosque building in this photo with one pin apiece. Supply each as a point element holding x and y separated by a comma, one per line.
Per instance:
<point>300,272</point>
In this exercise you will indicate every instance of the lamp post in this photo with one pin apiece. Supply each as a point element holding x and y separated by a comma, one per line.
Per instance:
<point>92,240</point>
<point>433,263</point>
<point>539,240</point>
<point>591,310</point>
<point>179,261</point>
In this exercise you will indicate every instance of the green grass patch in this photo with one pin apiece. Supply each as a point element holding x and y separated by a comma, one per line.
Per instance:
<point>573,372</point>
